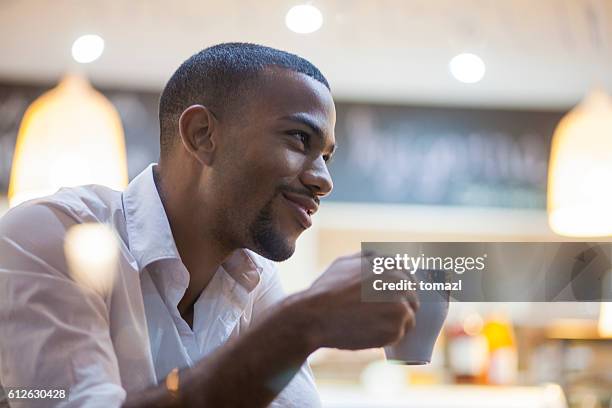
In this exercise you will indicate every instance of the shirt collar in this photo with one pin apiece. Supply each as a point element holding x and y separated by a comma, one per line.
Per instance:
<point>150,237</point>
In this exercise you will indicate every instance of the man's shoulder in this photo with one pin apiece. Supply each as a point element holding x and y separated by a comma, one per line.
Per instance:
<point>90,203</point>
<point>40,224</point>
<point>36,229</point>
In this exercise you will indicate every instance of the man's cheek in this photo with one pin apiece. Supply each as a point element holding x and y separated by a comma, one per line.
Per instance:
<point>284,163</point>
<point>295,162</point>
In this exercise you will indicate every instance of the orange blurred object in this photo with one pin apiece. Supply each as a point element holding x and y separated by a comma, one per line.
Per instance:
<point>503,353</point>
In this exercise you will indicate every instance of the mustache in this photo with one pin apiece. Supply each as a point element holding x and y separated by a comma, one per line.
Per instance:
<point>296,190</point>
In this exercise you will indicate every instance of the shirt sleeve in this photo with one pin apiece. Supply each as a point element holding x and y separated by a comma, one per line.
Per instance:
<point>301,390</point>
<point>54,333</point>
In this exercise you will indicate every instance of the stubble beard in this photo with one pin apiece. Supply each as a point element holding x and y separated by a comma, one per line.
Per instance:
<point>268,241</point>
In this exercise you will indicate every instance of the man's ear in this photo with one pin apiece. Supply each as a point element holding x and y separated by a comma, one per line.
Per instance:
<point>197,126</point>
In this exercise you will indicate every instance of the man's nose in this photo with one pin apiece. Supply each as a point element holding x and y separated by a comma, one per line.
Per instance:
<point>317,178</point>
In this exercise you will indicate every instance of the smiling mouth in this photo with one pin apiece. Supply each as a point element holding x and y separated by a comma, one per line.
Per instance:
<point>302,213</point>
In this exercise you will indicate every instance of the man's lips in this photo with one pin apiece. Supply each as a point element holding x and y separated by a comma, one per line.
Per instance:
<point>304,205</point>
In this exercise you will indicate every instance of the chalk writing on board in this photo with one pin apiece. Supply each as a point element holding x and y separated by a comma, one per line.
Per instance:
<point>403,155</point>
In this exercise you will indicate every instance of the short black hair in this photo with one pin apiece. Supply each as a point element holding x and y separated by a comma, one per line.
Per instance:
<point>215,76</point>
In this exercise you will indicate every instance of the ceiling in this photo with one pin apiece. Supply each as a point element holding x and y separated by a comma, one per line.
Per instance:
<point>538,53</point>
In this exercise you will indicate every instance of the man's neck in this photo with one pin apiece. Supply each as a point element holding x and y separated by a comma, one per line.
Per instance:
<point>201,252</point>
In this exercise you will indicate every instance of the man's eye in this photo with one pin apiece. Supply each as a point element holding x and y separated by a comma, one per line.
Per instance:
<point>301,136</point>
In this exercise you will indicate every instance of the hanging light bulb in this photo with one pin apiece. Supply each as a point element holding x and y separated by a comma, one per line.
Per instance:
<point>69,136</point>
<point>467,68</point>
<point>580,170</point>
<point>304,19</point>
<point>87,48</point>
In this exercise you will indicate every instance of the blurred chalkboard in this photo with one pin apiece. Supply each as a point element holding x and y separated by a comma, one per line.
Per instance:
<point>442,156</point>
<point>391,154</point>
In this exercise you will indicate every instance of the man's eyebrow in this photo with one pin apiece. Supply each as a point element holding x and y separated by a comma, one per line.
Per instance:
<point>306,121</point>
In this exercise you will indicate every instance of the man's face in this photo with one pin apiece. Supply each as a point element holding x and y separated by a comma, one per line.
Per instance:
<point>272,167</point>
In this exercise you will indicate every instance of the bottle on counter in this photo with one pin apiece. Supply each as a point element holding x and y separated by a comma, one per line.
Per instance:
<point>468,351</point>
<point>502,351</point>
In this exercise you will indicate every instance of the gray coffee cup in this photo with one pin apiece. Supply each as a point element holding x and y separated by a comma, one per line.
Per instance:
<point>416,347</point>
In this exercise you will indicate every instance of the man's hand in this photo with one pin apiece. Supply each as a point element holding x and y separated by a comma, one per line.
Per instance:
<point>340,318</point>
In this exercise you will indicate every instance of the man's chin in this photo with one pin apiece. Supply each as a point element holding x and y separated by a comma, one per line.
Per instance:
<point>274,247</point>
<point>279,257</point>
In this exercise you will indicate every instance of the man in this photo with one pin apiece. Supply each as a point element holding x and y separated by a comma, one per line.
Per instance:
<point>196,316</point>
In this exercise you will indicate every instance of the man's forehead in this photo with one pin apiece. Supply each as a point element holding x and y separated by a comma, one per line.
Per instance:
<point>283,92</point>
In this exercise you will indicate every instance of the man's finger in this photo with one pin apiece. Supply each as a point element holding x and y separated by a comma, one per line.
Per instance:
<point>410,321</point>
<point>409,295</point>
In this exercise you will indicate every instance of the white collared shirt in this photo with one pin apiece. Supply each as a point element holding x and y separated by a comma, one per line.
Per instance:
<point>55,333</point>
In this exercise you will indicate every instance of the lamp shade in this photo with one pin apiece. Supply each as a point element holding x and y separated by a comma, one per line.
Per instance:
<point>580,170</point>
<point>605,319</point>
<point>69,136</point>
